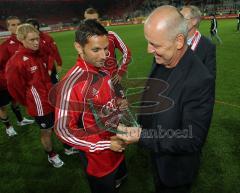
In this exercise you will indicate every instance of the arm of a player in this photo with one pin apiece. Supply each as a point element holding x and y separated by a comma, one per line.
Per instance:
<point>126,54</point>
<point>16,82</point>
<point>56,54</point>
<point>69,126</point>
<point>4,56</point>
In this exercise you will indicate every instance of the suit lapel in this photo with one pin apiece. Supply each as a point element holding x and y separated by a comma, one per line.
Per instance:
<point>199,46</point>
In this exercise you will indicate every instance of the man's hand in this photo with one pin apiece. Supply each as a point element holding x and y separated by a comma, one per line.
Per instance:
<point>122,104</point>
<point>117,144</point>
<point>129,134</point>
<point>49,72</point>
<point>116,79</point>
<point>58,68</point>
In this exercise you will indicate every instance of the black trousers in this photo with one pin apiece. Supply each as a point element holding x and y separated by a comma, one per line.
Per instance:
<point>106,184</point>
<point>161,188</point>
<point>54,75</point>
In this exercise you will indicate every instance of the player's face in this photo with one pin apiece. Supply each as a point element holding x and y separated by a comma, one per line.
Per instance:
<point>91,16</point>
<point>31,41</point>
<point>164,50</point>
<point>12,25</point>
<point>95,51</point>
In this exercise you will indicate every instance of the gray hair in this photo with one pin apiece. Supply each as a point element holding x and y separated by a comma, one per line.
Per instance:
<point>177,25</point>
<point>194,13</point>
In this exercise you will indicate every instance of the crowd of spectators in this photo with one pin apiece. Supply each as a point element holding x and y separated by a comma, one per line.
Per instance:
<point>68,12</point>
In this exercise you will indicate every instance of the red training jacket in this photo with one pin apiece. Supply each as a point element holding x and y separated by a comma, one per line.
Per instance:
<point>7,50</point>
<point>28,81</point>
<point>111,64</point>
<point>75,123</point>
<point>49,47</point>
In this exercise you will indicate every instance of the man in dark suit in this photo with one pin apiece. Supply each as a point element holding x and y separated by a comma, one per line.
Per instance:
<point>174,126</point>
<point>200,45</point>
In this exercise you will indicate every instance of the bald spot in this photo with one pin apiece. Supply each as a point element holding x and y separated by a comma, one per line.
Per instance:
<point>163,19</point>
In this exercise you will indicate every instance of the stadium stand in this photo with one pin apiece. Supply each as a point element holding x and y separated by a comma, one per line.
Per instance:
<point>68,12</point>
<point>64,11</point>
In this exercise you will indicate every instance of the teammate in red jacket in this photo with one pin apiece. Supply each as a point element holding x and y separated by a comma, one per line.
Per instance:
<point>115,42</point>
<point>29,84</point>
<point>7,50</point>
<point>50,51</point>
<point>48,45</point>
<point>87,108</point>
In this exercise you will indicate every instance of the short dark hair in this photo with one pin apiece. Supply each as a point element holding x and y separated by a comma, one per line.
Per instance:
<point>91,11</point>
<point>12,18</point>
<point>88,28</point>
<point>34,22</point>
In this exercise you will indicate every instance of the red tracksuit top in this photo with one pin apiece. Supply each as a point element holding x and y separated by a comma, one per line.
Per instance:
<point>28,81</point>
<point>75,123</point>
<point>49,47</point>
<point>111,64</point>
<point>7,50</point>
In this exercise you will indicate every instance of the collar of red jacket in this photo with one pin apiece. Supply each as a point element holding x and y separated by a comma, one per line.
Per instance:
<point>86,66</point>
<point>41,34</point>
<point>13,37</point>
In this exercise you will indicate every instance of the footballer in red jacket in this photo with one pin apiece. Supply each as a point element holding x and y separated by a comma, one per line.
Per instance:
<point>115,68</point>
<point>49,47</point>
<point>50,51</point>
<point>29,84</point>
<point>87,110</point>
<point>7,50</point>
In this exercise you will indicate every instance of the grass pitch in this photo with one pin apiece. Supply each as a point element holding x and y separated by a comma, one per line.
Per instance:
<point>24,167</point>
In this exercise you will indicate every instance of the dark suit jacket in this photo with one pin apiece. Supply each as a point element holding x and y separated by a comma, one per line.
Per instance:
<point>176,157</point>
<point>206,51</point>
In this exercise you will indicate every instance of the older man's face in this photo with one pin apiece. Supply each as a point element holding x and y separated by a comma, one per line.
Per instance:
<point>160,45</point>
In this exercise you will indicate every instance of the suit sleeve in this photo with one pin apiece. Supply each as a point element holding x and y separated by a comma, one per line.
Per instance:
<point>211,60</point>
<point>196,117</point>
<point>16,83</point>
<point>69,125</point>
<point>126,54</point>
